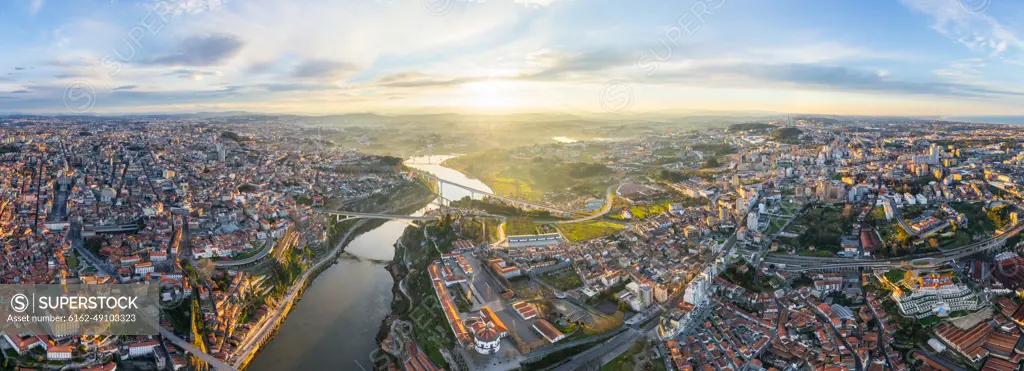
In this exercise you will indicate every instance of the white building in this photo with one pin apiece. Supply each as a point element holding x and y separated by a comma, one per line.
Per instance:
<point>887,206</point>
<point>911,200</point>
<point>143,268</point>
<point>697,291</point>
<point>752,220</point>
<point>58,353</point>
<point>142,348</point>
<point>936,296</point>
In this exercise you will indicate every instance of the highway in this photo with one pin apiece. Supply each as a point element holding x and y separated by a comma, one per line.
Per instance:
<point>812,263</point>
<point>625,338</point>
<point>609,198</point>
<point>269,246</point>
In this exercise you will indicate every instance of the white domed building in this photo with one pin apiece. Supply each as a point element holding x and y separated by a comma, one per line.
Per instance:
<point>487,331</point>
<point>486,339</point>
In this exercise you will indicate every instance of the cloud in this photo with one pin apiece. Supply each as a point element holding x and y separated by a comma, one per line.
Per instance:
<point>322,69</point>
<point>290,87</point>
<point>560,66</point>
<point>401,76</point>
<point>19,68</point>
<point>34,6</point>
<point>826,77</point>
<point>419,80</point>
<point>535,3</point>
<point>193,74</point>
<point>202,51</point>
<point>22,91</point>
<point>977,30</point>
<point>178,7</point>
<point>126,87</point>
<point>962,69</point>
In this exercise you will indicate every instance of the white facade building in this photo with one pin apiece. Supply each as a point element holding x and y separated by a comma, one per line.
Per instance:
<point>936,300</point>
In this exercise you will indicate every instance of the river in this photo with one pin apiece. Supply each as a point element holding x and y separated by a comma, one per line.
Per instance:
<point>335,324</point>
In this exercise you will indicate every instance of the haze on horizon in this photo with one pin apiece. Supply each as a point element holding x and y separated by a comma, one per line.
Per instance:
<point>908,57</point>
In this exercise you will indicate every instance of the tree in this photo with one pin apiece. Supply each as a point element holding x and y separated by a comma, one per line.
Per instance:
<point>711,163</point>
<point>233,136</point>
<point>786,134</point>
<point>204,269</point>
<point>391,160</point>
<point>996,215</point>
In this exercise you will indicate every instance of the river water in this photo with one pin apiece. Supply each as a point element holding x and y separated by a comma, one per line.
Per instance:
<point>335,324</point>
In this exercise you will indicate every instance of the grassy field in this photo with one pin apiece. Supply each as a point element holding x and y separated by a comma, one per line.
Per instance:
<point>644,211</point>
<point>520,226</point>
<point>895,275</point>
<point>512,187</point>
<point>774,225</point>
<point>588,230</point>
<point>565,279</point>
<point>526,226</point>
<point>628,360</point>
<point>977,218</point>
<point>532,178</point>
<point>72,260</point>
<point>960,238</point>
<point>623,362</point>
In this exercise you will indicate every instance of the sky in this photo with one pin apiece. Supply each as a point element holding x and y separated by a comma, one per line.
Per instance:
<point>615,57</point>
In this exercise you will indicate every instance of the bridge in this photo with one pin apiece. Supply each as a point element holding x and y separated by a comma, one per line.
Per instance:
<point>188,347</point>
<point>929,260</point>
<point>374,215</point>
<point>267,248</point>
<point>492,195</point>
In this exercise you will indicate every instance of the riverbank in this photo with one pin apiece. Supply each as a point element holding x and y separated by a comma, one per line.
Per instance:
<point>412,299</point>
<point>335,323</point>
<point>268,330</point>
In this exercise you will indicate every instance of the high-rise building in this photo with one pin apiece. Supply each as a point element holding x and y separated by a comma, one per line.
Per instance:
<point>646,295</point>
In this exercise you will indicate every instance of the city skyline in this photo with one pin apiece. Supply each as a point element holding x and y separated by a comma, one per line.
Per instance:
<point>913,57</point>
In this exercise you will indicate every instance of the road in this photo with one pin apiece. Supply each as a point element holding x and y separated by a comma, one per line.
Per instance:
<point>269,246</point>
<point>809,263</point>
<point>625,338</point>
<point>609,198</point>
<point>78,243</point>
<point>213,361</point>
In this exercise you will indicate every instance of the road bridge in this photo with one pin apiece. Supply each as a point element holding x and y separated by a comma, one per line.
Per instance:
<point>267,248</point>
<point>375,215</point>
<point>492,195</point>
<point>188,347</point>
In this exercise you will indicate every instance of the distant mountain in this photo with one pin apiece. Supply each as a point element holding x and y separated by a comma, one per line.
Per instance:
<point>1010,120</point>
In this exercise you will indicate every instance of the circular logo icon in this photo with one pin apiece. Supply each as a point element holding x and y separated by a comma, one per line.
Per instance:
<point>975,7</point>
<point>437,7</point>
<point>79,97</point>
<point>19,302</point>
<point>616,96</point>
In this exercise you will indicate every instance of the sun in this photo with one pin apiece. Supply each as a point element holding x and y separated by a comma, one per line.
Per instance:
<point>489,94</point>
